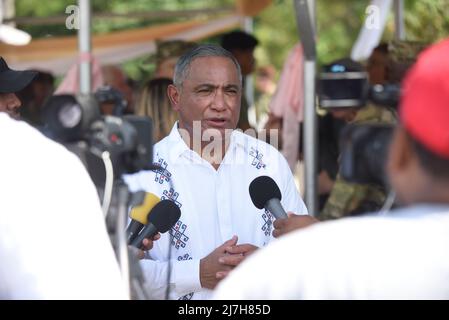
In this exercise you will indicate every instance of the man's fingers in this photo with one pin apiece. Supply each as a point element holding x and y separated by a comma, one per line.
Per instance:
<point>157,236</point>
<point>230,242</point>
<point>279,223</point>
<point>231,260</point>
<point>141,254</point>
<point>222,274</point>
<point>147,244</point>
<point>241,249</point>
<point>277,233</point>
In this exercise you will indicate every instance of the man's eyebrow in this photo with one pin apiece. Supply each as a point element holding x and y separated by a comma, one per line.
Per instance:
<point>205,85</point>
<point>213,86</point>
<point>232,86</point>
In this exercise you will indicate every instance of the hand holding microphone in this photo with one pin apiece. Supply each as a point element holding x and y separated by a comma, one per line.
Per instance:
<point>265,193</point>
<point>139,215</point>
<point>162,217</point>
<point>293,222</point>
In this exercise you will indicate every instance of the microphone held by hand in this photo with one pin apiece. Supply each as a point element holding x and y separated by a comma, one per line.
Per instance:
<point>162,217</point>
<point>265,193</point>
<point>139,215</point>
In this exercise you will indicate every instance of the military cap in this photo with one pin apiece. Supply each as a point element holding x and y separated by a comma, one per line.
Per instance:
<point>170,49</point>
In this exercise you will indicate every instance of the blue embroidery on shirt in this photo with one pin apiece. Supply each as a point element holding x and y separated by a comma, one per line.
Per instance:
<point>268,222</point>
<point>179,237</point>
<point>171,195</point>
<point>184,257</point>
<point>187,296</point>
<point>257,158</point>
<point>162,174</point>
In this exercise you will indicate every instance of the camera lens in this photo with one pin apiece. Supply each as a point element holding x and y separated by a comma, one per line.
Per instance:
<point>70,115</point>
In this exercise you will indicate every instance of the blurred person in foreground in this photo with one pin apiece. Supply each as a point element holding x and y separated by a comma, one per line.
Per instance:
<point>403,254</point>
<point>53,238</point>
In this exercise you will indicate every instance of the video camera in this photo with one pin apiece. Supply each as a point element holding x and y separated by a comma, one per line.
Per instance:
<point>352,90</point>
<point>108,146</point>
<point>363,147</point>
<point>76,122</point>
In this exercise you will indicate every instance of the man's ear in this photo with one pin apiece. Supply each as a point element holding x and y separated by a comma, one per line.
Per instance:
<point>173,95</point>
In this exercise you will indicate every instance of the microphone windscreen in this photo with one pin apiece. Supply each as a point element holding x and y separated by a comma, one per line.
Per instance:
<point>262,189</point>
<point>164,215</point>
<point>140,213</point>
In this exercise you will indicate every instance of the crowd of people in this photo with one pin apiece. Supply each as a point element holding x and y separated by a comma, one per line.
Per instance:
<point>196,101</point>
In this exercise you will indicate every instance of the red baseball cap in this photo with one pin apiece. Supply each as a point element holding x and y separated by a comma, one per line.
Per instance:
<point>424,107</point>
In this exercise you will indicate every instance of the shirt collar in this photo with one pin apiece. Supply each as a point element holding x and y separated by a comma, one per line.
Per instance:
<point>238,139</point>
<point>178,147</point>
<point>176,144</point>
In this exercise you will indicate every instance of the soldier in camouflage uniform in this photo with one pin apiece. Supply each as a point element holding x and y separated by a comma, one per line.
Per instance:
<point>351,198</point>
<point>401,56</point>
<point>166,56</point>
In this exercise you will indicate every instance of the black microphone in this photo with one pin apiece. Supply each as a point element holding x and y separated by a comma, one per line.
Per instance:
<point>162,217</point>
<point>139,214</point>
<point>265,193</point>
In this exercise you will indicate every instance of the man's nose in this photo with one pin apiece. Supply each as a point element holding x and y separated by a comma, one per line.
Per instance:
<point>219,102</point>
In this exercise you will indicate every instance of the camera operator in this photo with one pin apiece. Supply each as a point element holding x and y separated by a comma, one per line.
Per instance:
<point>349,198</point>
<point>401,255</point>
<point>365,168</point>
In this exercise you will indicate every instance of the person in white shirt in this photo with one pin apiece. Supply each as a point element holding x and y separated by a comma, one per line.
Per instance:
<point>53,239</point>
<point>403,254</point>
<point>206,169</point>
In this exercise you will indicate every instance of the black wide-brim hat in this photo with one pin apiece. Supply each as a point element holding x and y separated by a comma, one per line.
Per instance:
<point>12,81</point>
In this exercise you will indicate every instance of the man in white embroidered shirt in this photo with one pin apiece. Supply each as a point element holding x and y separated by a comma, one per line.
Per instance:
<point>210,166</point>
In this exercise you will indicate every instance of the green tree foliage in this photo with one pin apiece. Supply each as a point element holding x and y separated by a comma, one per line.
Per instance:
<point>338,23</point>
<point>427,20</point>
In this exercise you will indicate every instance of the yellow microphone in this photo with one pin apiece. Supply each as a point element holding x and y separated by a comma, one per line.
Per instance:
<point>139,215</point>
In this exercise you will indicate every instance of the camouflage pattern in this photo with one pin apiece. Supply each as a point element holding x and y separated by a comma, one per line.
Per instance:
<point>170,49</point>
<point>347,198</point>
<point>402,51</point>
<point>401,56</point>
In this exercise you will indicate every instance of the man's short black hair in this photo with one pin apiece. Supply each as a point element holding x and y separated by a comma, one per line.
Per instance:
<point>238,40</point>
<point>435,165</point>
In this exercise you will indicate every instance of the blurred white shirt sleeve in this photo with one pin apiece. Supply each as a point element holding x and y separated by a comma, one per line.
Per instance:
<point>54,243</point>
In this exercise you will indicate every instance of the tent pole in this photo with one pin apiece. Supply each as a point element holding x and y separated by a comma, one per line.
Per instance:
<point>305,18</point>
<point>248,26</point>
<point>84,46</point>
<point>399,30</point>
